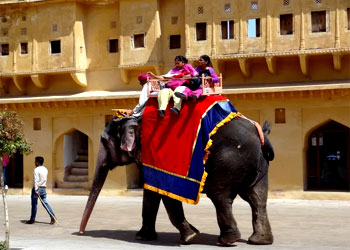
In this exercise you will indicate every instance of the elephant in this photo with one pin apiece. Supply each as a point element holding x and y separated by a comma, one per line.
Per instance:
<point>237,165</point>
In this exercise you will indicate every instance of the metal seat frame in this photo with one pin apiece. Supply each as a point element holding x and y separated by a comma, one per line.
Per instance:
<point>209,88</point>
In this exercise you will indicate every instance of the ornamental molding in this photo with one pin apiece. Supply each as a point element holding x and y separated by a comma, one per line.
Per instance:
<point>39,78</point>
<point>278,53</point>
<point>91,2</point>
<point>139,65</point>
<point>129,99</point>
<point>44,71</point>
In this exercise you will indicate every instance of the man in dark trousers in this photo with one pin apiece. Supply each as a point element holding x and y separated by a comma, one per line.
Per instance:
<point>39,189</point>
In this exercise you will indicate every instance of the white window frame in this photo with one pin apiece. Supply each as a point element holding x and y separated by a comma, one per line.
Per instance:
<point>228,30</point>
<point>327,22</point>
<point>260,35</point>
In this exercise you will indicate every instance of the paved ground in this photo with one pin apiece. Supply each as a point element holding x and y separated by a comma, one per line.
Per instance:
<point>296,225</point>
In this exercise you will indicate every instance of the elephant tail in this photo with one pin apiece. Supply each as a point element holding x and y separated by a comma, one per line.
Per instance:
<point>266,128</point>
<point>267,149</point>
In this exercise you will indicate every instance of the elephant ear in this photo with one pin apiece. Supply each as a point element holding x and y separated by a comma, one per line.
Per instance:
<point>104,136</point>
<point>117,123</point>
<point>112,129</point>
<point>130,132</point>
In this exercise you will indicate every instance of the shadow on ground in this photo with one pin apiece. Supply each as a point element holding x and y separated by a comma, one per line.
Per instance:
<point>164,239</point>
<point>36,222</point>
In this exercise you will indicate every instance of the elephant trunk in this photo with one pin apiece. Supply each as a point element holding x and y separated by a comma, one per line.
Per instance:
<point>101,173</point>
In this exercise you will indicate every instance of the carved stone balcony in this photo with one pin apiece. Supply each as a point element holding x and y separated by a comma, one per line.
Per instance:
<point>39,78</point>
<point>270,57</point>
<point>148,66</point>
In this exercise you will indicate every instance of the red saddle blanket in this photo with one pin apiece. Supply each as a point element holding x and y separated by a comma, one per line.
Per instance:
<point>172,147</point>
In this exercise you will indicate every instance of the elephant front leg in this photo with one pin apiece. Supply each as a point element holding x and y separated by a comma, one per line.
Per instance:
<point>257,199</point>
<point>176,215</point>
<point>150,206</point>
<point>229,232</point>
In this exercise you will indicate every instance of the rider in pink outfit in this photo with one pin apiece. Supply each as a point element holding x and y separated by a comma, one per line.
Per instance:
<point>182,70</point>
<point>203,68</point>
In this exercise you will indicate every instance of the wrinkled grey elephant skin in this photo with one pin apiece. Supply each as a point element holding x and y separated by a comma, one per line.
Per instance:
<point>237,165</point>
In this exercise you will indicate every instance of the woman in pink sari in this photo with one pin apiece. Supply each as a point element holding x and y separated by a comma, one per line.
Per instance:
<point>182,70</point>
<point>195,90</point>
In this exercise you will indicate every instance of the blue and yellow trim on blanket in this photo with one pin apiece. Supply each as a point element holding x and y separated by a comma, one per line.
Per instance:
<point>188,188</point>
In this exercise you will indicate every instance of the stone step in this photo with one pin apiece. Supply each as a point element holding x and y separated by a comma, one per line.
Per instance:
<point>79,171</point>
<point>73,185</point>
<point>82,157</point>
<point>77,178</point>
<point>80,164</point>
<point>80,190</point>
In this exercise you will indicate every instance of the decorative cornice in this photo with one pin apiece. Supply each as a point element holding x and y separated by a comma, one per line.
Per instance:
<point>345,85</point>
<point>278,53</point>
<point>140,65</point>
<point>98,2</point>
<point>101,98</point>
<point>19,1</point>
<point>233,94</point>
<point>44,71</point>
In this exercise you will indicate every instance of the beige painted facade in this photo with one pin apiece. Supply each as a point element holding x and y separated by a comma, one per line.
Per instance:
<point>74,88</point>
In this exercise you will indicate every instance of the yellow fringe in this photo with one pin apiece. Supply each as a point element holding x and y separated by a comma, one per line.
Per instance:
<point>177,197</point>
<point>231,116</point>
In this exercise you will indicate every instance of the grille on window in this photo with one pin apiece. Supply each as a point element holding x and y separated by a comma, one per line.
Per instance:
<point>200,10</point>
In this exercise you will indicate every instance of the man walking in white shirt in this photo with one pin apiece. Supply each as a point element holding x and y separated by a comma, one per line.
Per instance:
<point>39,189</point>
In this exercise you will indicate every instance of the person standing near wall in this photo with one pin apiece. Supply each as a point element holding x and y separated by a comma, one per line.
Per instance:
<point>39,189</point>
<point>5,162</point>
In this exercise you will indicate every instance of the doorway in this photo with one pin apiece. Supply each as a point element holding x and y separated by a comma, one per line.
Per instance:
<point>75,160</point>
<point>14,171</point>
<point>328,158</point>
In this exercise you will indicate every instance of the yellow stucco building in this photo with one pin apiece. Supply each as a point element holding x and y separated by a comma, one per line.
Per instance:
<point>64,65</point>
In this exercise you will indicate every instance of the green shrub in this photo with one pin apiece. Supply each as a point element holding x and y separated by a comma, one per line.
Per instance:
<point>3,245</point>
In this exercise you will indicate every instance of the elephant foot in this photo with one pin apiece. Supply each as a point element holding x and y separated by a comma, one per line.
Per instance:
<point>194,229</point>
<point>261,239</point>
<point>229,239</point>
<point>188,235</point>
<point>146,234</point>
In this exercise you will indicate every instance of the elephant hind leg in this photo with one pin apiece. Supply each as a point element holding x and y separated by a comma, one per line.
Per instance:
<point>257,199</point>
<point>176,215</point>
<point>229,232</point>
